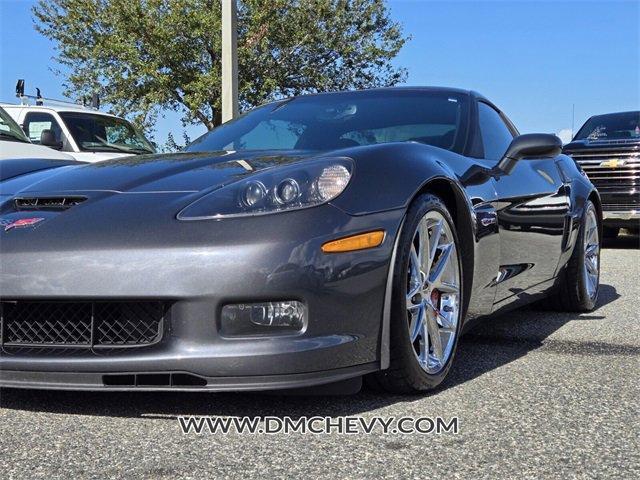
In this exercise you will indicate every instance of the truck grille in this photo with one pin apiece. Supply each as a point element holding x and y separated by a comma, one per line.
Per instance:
<point>81,324</point>
<point>621,178</point>
<point>620,207</point>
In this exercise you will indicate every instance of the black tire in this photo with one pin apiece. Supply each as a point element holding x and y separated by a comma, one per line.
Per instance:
<point>571,294</point>
<point>405,375</point>
<point>610,233</point>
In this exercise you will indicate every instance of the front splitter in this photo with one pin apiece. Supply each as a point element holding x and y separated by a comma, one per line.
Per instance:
<point>94,381</point>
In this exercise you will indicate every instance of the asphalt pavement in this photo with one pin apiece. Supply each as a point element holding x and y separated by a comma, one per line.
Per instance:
<point>538,394</point>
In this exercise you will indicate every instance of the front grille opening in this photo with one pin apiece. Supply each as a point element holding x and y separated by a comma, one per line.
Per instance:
<point>47,203</point>
<point>90,325</point>
<point>128,323</point>
<point>119,380</point>
<point>153,380</point>
<point>46,323</point>
<point>611,171</point>
<point>187,380</point>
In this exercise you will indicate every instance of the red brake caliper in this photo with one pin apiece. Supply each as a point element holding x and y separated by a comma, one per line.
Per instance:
<point>435,299</point>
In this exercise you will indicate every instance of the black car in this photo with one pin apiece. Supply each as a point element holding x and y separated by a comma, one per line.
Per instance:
<point>313,240</point>
<point>607,147</point>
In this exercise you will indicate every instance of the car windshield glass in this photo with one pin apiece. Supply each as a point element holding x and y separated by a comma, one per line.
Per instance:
<point>10,130</point>
<point>342,120</point>
<point>100,133</point>
<point>614,126</point>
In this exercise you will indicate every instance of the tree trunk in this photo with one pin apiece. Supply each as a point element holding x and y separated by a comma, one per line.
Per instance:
<point>217,119</point>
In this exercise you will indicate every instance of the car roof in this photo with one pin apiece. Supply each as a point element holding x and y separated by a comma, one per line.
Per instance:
<point>402,88</point>
<point>637,112</point>
<point>57,108</point>
<point>432,89</point>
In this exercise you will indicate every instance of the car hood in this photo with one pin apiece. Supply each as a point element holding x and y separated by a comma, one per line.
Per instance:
<point>18,150</point>
<point>92,157</point>
<point>596,145</point>
<point>10,168</point>
<point>179,172</point>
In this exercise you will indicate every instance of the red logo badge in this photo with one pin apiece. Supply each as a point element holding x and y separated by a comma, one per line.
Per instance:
<point>21,223</point>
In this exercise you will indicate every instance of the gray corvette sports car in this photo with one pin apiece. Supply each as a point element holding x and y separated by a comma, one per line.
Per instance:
<point>315,240</point>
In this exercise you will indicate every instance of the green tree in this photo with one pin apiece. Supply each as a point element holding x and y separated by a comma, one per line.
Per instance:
<point>145,56</point>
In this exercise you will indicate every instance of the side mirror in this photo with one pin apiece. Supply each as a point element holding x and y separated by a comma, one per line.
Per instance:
<point>530,145</point>
<point>48,139</point>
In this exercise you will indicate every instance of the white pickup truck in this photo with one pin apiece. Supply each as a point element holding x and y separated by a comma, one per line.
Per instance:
<point>15,145</point>
<point>84,133</point>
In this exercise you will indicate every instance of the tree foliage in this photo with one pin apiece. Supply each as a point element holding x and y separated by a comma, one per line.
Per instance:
<point>144,56</point>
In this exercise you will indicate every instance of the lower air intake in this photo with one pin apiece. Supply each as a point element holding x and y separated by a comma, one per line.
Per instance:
<point>176,380</point>
<point>81,324</point>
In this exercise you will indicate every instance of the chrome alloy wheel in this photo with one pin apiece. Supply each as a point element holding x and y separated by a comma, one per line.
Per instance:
<point>591,270</point>
<point>433,292</point>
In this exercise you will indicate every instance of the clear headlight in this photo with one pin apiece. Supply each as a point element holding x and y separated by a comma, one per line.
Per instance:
<point>300,185</point>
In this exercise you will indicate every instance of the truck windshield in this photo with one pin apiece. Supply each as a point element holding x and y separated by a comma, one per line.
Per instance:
<point>101,133</point>
<point>10,130</point>
<point>613,126</point>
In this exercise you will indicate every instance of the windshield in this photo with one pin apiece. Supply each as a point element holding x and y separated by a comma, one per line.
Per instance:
<point>342,120</point>
<point>100,133</point>
<point>613,126</point>
<point>10,130</point>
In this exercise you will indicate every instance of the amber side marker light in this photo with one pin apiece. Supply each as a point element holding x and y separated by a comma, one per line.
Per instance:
<point>361,241</point>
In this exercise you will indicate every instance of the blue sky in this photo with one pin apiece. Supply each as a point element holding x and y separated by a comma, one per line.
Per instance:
<point>535,60</point>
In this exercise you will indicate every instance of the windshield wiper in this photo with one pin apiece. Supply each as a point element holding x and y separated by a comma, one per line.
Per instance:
<point>141,150</point>
<point>110,147</point>
<point>122,148</point>
<point>103,148</point>
<point>13,137</point>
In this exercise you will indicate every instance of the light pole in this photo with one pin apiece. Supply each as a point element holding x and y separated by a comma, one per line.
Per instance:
<point>229,60</point>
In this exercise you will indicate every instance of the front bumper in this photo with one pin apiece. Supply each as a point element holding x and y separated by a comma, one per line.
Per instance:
<point>198,274</point>
<point>96,381</point>
<point>622,219</point>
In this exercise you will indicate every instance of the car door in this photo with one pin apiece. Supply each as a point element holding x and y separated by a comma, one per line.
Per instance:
<point>532,209</point>
<point>35,122</point>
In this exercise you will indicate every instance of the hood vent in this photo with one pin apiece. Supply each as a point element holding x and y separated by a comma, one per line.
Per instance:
<point>47,203</point>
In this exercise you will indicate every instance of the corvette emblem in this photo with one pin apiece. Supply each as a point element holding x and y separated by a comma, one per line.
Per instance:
<point>20,223</point>
<point>613,163</point>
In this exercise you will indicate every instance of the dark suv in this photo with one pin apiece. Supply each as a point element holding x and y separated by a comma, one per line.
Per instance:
<point>607,147</point>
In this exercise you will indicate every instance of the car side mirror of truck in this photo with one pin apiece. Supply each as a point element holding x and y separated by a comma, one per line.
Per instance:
<point>530,145</point>
<point>48,139</point>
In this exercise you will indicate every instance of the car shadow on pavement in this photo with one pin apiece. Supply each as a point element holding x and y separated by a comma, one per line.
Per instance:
<point>626,240</point>
<point>505,338</point>
<point>490,345</point>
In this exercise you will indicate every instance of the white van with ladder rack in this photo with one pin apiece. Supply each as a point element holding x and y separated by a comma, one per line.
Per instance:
<point>81,131</point>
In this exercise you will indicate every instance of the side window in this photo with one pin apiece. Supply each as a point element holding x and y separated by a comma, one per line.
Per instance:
<point>496,136</point>
<point>36,122</point>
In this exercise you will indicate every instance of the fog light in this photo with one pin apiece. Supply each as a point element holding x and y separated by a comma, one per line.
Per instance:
<point>263,318</point>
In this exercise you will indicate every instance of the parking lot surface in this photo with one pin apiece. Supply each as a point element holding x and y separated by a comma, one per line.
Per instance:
<point>538,394</point>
